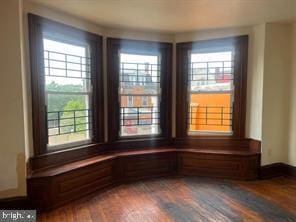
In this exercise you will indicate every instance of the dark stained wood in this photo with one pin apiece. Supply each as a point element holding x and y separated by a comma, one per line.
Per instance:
<point>271,170</point>
<point>255,145</point>
<point>240,44</point>
<point>37,84</point>
<point>52,191</point>
<point>213,143</point>
<point>98,158</point>
<point>53,171</point>
<point>52,187</point>
<point>15,203</point>
<point>114,46</point>
<point>185,199</point>
<point>87,151</point>
<point>277,169</point>
<point>146,166</point>
<point>37,25</point>
<point>223,165</point>
<point>290,170</point>
<point>64,156</point>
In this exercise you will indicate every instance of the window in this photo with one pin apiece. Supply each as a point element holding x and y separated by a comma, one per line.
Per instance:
<point>211,87</point>
<point>67,92</point>
<point>210,92</point>
<point>136,117</point>
<point>140,71</point>
<point>65,79</point>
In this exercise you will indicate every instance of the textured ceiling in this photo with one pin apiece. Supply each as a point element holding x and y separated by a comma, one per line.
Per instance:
<point>176,15</point>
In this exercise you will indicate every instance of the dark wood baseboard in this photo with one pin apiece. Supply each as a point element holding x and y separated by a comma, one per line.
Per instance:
<point>15,203</point>
<point>277,169</point>
<point>290,170</point>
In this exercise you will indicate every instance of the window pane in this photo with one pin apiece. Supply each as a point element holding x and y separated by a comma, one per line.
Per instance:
<point>67,91</point>
<point>211,92</point>
<point>139,94</point>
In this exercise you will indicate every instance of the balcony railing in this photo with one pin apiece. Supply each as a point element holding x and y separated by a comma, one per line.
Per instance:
<point>139,116</point>
<point>210,116</point>
<point>212,72</point>
<point>68,121</point>
<point>139,73</point>
<point>57,64</point>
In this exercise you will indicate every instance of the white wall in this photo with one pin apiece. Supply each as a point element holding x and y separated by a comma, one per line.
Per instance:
<point>277,69</point>
<point>12,142</point>
<point>94,28</point>
<point>292,130</point>
<point>59,16</point>
<point>212,34</point>
<point>255,82</point>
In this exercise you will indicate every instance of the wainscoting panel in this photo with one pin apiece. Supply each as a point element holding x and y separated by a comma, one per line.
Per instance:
<point>52,187</point>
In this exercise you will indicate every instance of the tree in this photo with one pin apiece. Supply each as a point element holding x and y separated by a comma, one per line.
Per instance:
<point>77,108</point>
<point>57,102</point>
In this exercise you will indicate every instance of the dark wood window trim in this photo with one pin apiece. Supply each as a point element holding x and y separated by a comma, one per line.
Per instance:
<point>165,49</point>
<point>37,25</point>
<point>240,81</point>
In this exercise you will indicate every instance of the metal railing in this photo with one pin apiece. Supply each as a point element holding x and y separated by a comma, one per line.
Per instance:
<point>57,64</point>
<point>210,116</point>
<point>139,73</point>
<point>211,71</point>
<point>139,116</point>
<point>68,121</point>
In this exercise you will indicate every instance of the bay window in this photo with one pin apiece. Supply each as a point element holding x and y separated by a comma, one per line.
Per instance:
<point>67,89</point>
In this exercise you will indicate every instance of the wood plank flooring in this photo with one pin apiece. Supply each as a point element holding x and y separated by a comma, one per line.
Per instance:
<point>186,199</point>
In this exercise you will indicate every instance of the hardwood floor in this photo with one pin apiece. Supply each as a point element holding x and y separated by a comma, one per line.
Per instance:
<point>186,199</point>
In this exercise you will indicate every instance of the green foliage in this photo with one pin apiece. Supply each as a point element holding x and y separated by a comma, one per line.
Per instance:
<point>58,102</point>
<point>75,105</point>
<point>80,114</point>
<point>64,103</point>
<point>53,86</point>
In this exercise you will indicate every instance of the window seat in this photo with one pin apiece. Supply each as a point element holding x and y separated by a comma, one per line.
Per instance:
<point>52,187</point>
